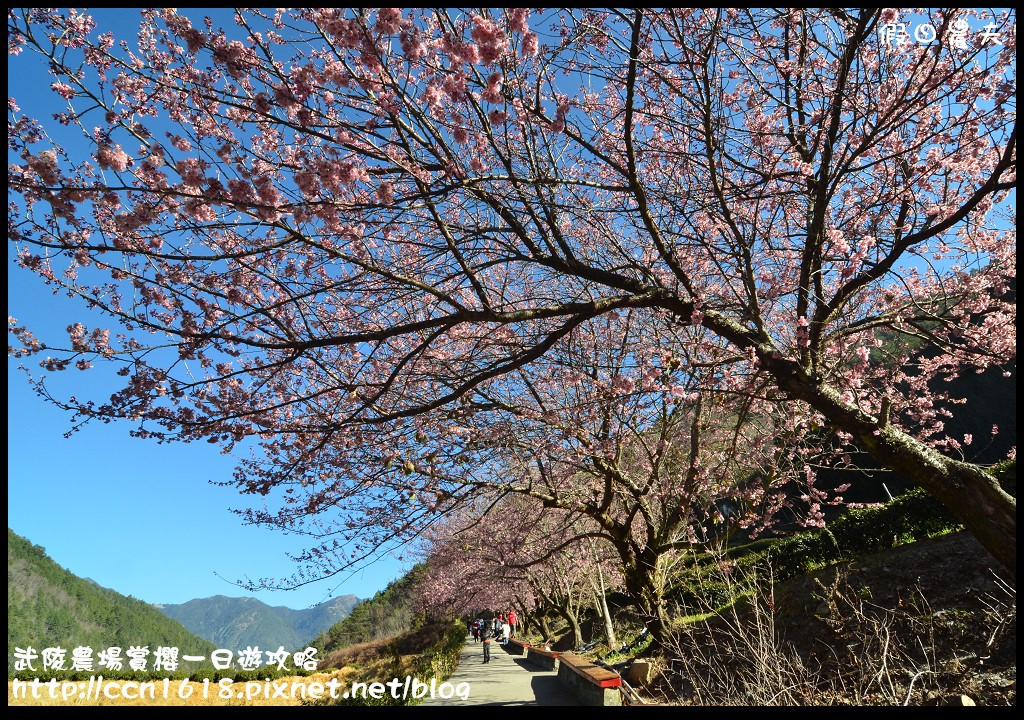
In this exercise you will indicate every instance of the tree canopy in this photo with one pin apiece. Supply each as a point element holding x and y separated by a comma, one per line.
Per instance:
<point>353,236</point>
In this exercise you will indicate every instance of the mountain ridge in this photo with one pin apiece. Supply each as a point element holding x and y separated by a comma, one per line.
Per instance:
<point>237,622</point>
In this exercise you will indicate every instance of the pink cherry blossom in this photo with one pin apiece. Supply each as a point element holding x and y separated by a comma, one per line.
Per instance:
<point>112,157</point>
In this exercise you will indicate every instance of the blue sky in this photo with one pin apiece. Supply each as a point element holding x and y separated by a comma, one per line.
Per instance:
<point>133,515</point>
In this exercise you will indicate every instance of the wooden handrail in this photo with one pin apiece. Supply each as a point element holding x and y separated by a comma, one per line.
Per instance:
<point>602,677</point>
<point>545,653</point>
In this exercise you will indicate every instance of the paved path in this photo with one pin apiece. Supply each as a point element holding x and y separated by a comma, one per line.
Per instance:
<point>505,680</point>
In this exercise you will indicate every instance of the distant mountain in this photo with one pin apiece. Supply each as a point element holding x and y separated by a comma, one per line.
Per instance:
<point>48,606</point>
<point>311,622</point>
<point>238,622</point>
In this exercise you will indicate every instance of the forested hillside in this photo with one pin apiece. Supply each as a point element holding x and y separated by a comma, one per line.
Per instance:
<point>390,612</point>
<point>48,606</point>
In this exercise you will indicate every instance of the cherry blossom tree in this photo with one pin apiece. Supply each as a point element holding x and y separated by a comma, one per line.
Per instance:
<point>325,229</point>
<point>470,564</point>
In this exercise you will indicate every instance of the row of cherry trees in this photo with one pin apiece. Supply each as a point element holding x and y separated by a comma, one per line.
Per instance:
<point>655,457</point>
<point>632,267</point>
<point>519,555</point>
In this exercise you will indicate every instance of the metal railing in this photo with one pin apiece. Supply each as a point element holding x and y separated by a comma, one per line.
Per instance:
<point>629,695</point>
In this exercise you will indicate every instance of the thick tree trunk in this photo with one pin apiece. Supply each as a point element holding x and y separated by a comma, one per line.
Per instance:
<point>545,628</point>
<point>971,494</point>
<point>648,595</point>
<point>574,625</point>
<point>656,614</point>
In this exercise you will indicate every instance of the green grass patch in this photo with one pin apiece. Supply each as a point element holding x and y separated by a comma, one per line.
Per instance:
<point>717,581</point>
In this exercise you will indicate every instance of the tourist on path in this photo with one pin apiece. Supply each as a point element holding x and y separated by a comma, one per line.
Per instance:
<point>486,635</point>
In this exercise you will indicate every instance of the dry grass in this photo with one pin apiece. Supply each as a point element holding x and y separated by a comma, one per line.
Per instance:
<point>924,625</point>
<point>358,654</point>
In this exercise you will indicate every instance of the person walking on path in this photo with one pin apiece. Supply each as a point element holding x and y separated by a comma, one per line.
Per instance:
<point>512,623</point>
<point>505,630</point>
<point>486,634</point>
